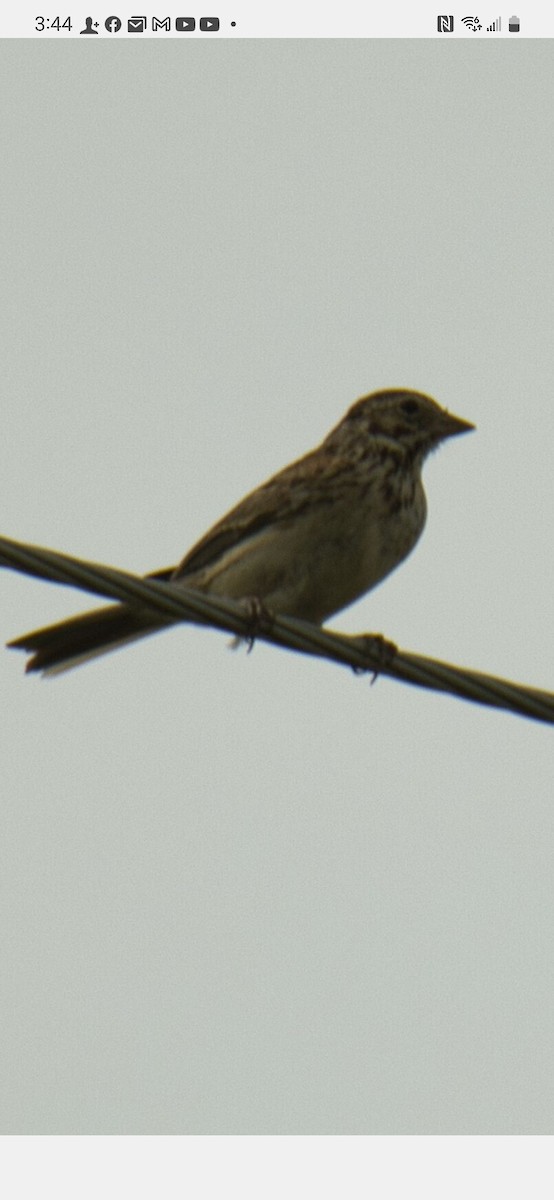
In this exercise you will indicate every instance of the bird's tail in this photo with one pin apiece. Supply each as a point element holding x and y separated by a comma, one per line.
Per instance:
<point>57,648</point>
<point>60,647</point>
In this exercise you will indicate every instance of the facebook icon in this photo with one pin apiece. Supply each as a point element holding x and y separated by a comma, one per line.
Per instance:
<point>112,24</point>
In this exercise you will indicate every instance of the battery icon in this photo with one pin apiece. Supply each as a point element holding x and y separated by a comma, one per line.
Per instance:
<point>513,24</point>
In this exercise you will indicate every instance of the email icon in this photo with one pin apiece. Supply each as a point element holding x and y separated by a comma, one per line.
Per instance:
<point>161,23</point>
<point>136,25</point>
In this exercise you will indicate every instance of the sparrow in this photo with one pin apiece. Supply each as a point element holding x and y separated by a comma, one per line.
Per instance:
<point>312,539</point>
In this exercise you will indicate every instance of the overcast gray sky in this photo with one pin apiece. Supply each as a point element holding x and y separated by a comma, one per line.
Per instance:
<point>251,893</point>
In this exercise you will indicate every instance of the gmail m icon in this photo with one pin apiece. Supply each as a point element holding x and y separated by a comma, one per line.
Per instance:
<point>161,23</point>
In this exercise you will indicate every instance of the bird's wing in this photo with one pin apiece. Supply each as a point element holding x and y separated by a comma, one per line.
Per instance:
<point>272,503</point>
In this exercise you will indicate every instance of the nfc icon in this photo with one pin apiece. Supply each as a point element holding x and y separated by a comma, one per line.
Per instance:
<point>445,24</point>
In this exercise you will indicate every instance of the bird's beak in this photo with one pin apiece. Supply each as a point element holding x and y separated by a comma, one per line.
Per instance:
<point>453,425</point>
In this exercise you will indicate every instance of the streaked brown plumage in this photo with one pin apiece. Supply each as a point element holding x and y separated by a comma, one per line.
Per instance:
<point>310,541</point>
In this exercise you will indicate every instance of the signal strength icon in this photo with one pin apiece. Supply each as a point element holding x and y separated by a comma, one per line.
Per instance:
<point>495,27</point>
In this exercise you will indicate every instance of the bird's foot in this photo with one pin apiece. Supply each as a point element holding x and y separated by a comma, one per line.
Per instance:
<point>381,652</point>
<point>259,618</point>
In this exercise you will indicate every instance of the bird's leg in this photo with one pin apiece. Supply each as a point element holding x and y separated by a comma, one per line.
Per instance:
<point>259,620</point>
<point>382,652</point>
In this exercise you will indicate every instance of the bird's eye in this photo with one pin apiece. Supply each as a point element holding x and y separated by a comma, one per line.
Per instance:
<point>410,407</point>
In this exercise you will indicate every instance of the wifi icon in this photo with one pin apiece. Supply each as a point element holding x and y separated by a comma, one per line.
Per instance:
<point>471,23</point>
